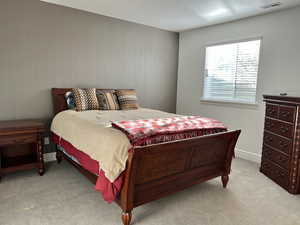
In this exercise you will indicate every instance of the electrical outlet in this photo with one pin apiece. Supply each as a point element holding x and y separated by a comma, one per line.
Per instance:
<point>46,141</point>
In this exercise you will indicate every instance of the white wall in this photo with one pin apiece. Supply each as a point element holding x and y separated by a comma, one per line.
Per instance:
<point>45,45</point>
<point>279,72</point>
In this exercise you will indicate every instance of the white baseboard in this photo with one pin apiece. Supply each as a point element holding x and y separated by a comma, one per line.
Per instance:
<point>49,157</point>
<point>254,157</point>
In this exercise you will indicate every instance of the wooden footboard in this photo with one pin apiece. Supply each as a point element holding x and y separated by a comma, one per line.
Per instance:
<point>159,170</point>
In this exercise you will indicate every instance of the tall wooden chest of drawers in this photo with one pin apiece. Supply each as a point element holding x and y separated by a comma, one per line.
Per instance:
<point>281,143</point>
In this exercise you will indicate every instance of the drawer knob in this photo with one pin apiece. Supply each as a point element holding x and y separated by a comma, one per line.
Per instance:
<point>285,114</point>
<point>269,139</point>
<point>283,144</point>
<point>271,110</point>
<point>284,129</point>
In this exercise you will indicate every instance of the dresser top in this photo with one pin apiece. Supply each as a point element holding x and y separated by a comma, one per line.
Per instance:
<point>279,98</point>
<point>21,125</point>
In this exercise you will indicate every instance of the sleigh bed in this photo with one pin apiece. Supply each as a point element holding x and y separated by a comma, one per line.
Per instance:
<point>158,170</point>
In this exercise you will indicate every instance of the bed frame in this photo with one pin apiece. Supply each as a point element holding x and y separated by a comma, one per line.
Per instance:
<point>158,170</point>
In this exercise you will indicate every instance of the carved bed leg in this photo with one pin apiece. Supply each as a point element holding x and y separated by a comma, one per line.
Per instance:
<point>58,155</point>
<point>225,179</point>
<point>126,218</point>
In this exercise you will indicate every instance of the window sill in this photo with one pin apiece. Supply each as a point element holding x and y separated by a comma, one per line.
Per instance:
<point>229,103</point>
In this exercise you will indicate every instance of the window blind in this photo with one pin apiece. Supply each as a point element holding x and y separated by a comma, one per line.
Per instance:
<point>231,71</point>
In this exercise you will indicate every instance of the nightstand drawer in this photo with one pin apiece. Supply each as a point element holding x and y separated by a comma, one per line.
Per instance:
<point>18,139</point>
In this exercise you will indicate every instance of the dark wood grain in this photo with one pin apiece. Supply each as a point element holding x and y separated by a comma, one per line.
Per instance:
<point>281,150</point>
<point>156,171</point>
<point>294,100</point>
<point>21,146</point>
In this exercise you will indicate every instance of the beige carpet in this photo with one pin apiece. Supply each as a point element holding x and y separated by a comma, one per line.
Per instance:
<point>63,196</point>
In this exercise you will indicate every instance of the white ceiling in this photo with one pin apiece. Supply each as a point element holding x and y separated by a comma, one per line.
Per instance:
<point>176,15</point>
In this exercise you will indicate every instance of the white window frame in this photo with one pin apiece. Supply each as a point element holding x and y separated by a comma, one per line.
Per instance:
<point>209,100</point>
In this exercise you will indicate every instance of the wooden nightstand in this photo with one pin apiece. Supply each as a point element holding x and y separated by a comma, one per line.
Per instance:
<point>21,146</point>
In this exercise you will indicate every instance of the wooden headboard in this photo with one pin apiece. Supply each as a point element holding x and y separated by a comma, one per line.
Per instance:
<point>58,98</point>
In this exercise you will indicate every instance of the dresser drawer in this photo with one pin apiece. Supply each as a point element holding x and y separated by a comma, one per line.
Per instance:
<point>18,139</point>
<point>276,157</point>
<point>278,127</point>
<point>287,113</point>
<point>277,174</point>
<point>272,110</point>
<point>278,142</point>
<point>270,125</point>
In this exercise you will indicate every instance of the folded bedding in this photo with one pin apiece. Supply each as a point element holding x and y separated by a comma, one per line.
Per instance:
<point>106,137</point>
<point>154,131</point>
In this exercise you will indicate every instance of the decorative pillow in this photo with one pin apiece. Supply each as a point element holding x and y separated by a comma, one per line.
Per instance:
<point>108,100</point>
<point>127,99</point>
<point>85,99</point>
<point>70,100</point>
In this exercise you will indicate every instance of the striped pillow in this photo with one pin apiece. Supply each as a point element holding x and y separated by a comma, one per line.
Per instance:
<point>85,99</point>
<point>127,99</point>
<point>107,100</point>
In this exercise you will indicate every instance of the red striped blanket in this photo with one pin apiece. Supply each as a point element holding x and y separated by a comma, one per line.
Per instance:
<point>153,131</point>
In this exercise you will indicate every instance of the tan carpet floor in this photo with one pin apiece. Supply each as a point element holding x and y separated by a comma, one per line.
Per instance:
<point>64,197</point>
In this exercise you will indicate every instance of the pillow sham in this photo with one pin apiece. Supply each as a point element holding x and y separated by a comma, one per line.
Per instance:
<point>127,99</point>
<point>85,99</point>
<point>70,100</point>
<point>107,100</point>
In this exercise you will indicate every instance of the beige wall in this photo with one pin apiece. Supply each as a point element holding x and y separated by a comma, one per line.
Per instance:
<point>44,46</point>
<point>279,71</point>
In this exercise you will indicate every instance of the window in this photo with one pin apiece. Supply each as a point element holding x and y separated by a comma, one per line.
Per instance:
<point>231,72</point>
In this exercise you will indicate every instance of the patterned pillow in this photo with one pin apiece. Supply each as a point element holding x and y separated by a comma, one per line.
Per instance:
<point>85,99</point>
<point>127,99</point>
<point>70,100</point>
<point>108,100</point>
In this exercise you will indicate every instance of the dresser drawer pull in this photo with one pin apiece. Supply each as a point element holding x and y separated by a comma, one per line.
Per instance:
<point>269,124</point>
<point>269,139</point>
<point>279,173</point>
<point>283,144</point>
<point>284,129</point>
<point>271,111</point>
<point>285,114</point>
